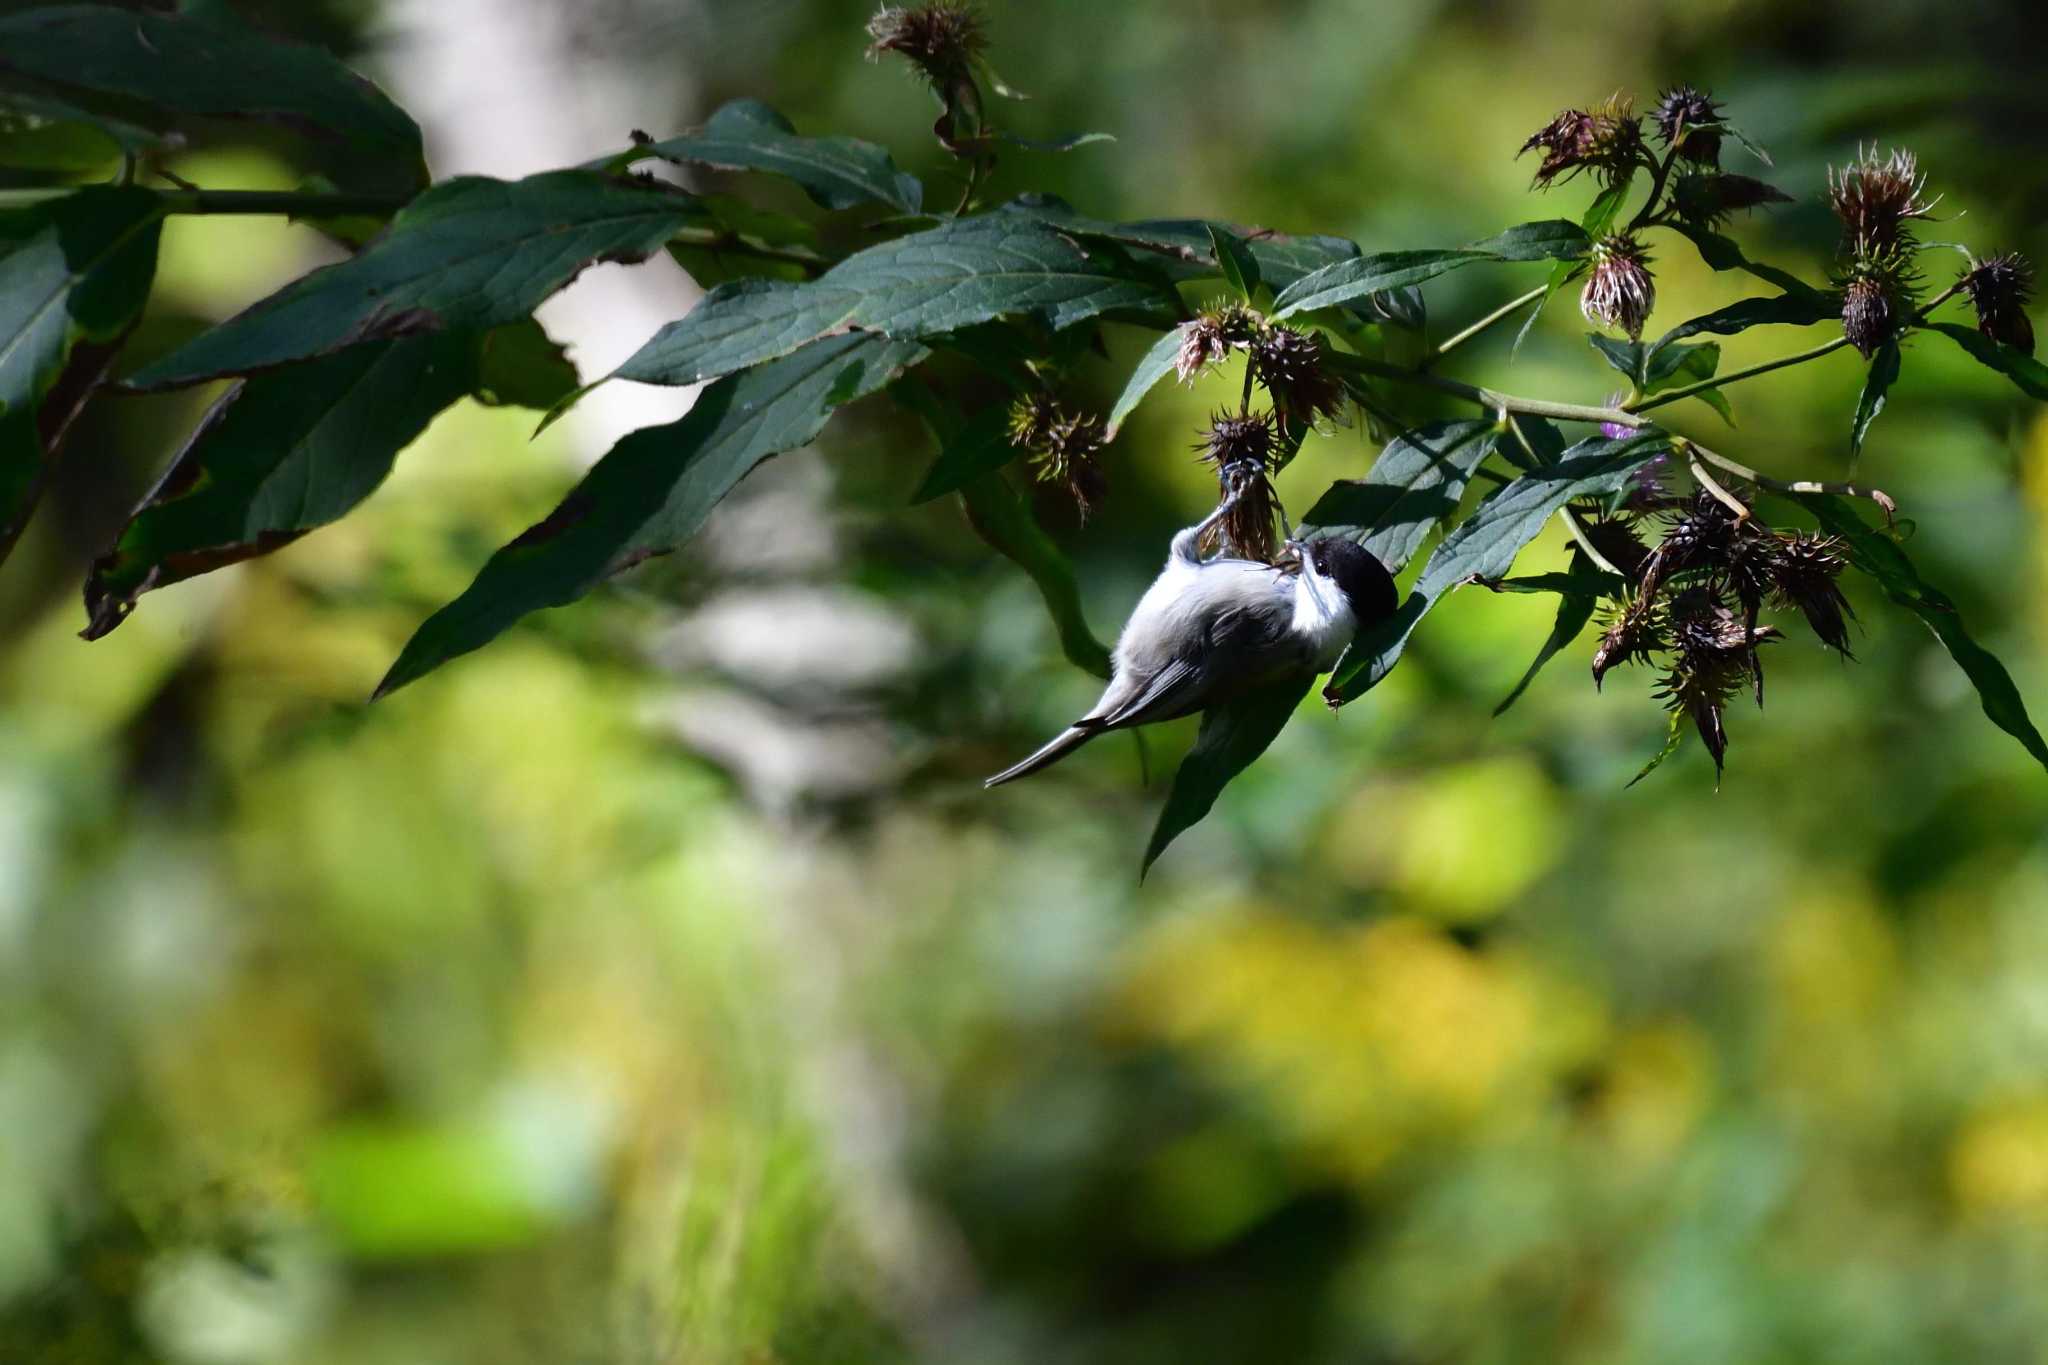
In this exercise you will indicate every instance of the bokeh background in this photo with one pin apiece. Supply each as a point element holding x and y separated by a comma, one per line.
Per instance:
<point>659,986</point>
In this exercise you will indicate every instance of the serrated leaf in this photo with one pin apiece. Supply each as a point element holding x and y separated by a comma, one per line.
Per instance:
<point>1414,484</point>
<point>1790,310</point>
<point>196,66</point>
<point>1234,256</point>
<point>961,273</point>
<point>1884,371</point>
<point>1155,366</point>
<point>280,455</point>
<point>1673,366</point>
<point>1485,544</point>
<point>1582,585</point>
<point>2029,375</point>
<point>520,366</point>
<point>979,448</point>
<point>1233,735</point>
<point>747,135</point>
<point>469,254</point>
<point>1347,280</point>
<point>1880,557</point>
<point>74,275</point>
<point>653,491</point>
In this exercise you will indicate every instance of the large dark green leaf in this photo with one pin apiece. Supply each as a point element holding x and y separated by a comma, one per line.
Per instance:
<point>1234,257</point>
<point>980,447</point>
<point>280,455</point>
<point>747,135</point>
<point>1880,557</point>
<point>194,66</point>
<point>1790,310</point>
<point>1884,371</point>
<point>521,366</point>
<point>1721,253</point>
<point>1003,519</point>
<point>2027,373</point>
<point>44,134</point>
<point>1156,365</point>
<point>954,276</point>
<point>1485,544</point>
<point>1414,484</point>
<point>1232,736</point>
<point>1578,595</point>
<point>1348,280</point>
<point>469,254</point>
<point>74,274</point>
<point>653,491</point>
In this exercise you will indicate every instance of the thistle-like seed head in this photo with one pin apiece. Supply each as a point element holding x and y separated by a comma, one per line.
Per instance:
<point>1631,631</point>
<point>942,40</point>
<point>1870,313</point>
<point>1805,578</point>
<point>1063,447</point>
<point>1620,291</point>
<point>1876,197</point>
<point>1291,366</point>
<point>1689,120</point>
<point>1239,439</point>
<point>1616,540</point>
<point>1706,201</point>
<point>1607,140</point>
<point>2000,288</point>
<point>1210,337</point>
<point>1243,448</point>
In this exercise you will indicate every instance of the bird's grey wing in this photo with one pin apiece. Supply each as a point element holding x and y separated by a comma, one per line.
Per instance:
<point>1236,637</point>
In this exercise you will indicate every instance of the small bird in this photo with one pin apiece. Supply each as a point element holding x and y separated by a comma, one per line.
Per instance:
<point>1208,630</point>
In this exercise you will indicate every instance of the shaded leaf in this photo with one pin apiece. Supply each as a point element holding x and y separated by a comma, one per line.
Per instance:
<point>980,447</point>
<point>747,135</point>
<point>1234,256</point>
<point>961,273</point>
<point>1485,544</point>
<point>1156,365</point>
<point>1233,734</point>
<point>43,134</point>
<point>2027,373</point>
<point>1004,520</point>
<point>1580,588</point>
<point>195,66</point>
<point>1791,310</point>
<point>1671,366</point>
<point>1880,557</point>
<point>1720,253</point>
<point>74,275</point>
<point>469,254</point>
<point>653,491</point>
<point>1624,356</point>
<point>278,456</point>
<point>520,366</point>
<point>1415,483</point>
<point>1884,371</point>
<point>1348,280</point>
<point>1674,738</point>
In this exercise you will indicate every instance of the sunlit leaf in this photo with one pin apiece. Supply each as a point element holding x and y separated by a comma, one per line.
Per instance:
<point>2029,375</point>
<point>1240,267</point>
<point>1579,593</point>
<point>1155,366</point>
<point>747,135</point>
<point>1348,280</point>
<point>1791,310</point>
<point>1414,484</point>
<point>521,366</point>
<point>1884,371</point>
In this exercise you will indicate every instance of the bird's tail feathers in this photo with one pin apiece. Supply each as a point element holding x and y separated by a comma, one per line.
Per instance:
<point>1068,740</point>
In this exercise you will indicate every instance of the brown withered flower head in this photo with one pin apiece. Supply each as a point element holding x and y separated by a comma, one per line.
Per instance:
<point>1291,366</point>
<point>1063,448</point>
<point>1871,309</point>
<point>1713,653</point>
<point>1616,540</point>
<point>1689,120</point>
<point>2000,288</point>
<point>1620,291</point>
<point>1631,632</point>
<point>1877,197</point>
<point>942,40</point>
<point>1699,533</point>
<point>1243,449</point>
<point>1805,578</point>
<point>1211,336</point>
<point>1607,140</point>
<point>1707,201</point>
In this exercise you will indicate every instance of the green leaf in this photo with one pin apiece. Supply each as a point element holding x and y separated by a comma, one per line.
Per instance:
<point>521,366</point>
<point>1414,484</point>
<point>74,275</point>
<point>278,456</point>
<point>195,66</point>
<point>1156,365</point>
<point>1722,254</point>
<point>1004,520</point>
<point>747,135</point>
<point>1232,736</point>
<point>1884,371</point>
<point>2027,373</point>
<point>653,491</point>
<point>1674,737</point>
<point>42,134</point>
<point>1625,356</point>
<point>1792,310</point>
<point>979,448</point>
<point>1671,366</point>
<point>1485,544</point>
<point>1880,557</point>
<point>964,272</point>
<point>1240,267</point>
<point>1584,582</point>
<point>469,254</point>
<point>1347,280</point>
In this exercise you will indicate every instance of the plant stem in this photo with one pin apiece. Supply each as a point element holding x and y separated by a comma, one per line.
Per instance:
<point>1660,172</point>
<point>1578,530</point>
<point>1445,347</point>
<point>1688,390</point>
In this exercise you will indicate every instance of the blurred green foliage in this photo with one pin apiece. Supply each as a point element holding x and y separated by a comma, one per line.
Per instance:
<point>652,988</point>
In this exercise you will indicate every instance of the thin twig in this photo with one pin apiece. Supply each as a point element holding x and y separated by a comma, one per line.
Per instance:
<point>1592,552</point>
<point>1451,343</point>
<point>1712,485</point>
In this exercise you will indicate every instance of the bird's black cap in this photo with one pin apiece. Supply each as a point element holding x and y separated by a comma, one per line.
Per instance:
<point>1363,579</point>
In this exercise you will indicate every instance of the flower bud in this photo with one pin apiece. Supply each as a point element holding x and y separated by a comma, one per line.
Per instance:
<point>1619,292</point>
<point>1688,119</point>
<point>1290,364</point>
<point>1869,314</point>
<point>2000,288</point>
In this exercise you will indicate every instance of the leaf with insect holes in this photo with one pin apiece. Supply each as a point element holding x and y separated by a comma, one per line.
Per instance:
<point>1232,736</point>
<point>1884,372</point>
<point>961,273</point>
<point>1485,544</point>
<point>747,135</point>
<point>1414,484</point>
<point>2029,375</point>
<point>74,275</point>
<point>469,254</point>
<point>1880,557</point>
<point>655,488</point>
<point>190,65</point>
<point>1349,280</point>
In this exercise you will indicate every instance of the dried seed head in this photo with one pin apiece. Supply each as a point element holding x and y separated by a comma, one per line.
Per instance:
<point>1697,535</point>
<point>1870,313</point>
<point>1631,631</point>
<point>1290,364</point>
<point>1031,420</point>
<point>1619,292</point>
<point>1805,578</point>
<point>1750,568</point>
<point>1616,540</point>
<point>1704,626</point>
<point>942,40</point>
<point>1243,448</point>
<point>1688,119</point>
<point>1239,439</point>
<point>1714,652</point>
<point>1876,197</point>
<point>1701,691</point>
<point>2001,288</point>
<point>1707,201</point>
<point>1210,337</point>
<point>1063,447</point>
<point>1607,140</point>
